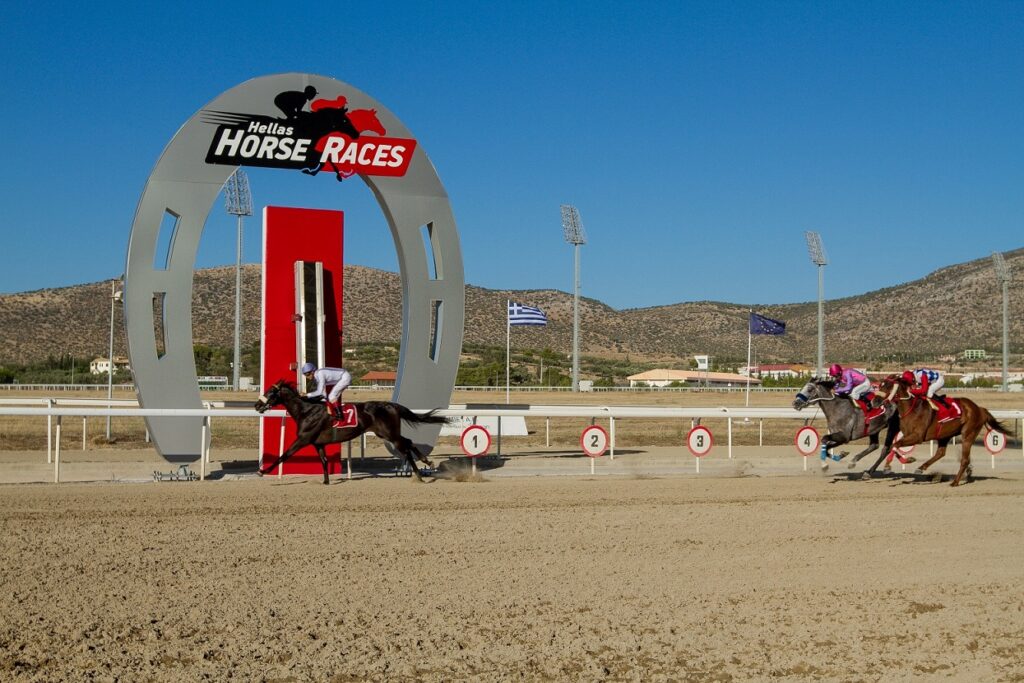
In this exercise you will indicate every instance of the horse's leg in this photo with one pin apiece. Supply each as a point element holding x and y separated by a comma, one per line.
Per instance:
<point>967,440</point>
<point>871,470</point>
<point>828,442</point>
<point>405,447</point>
<point>939,452</point>
<point>292,450</point>
<point>419,456</point>
<point>872,446</point>
<point>322,452</point>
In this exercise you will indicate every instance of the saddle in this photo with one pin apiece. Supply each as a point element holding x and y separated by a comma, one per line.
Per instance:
<point>349,417</point>
<point>945,414</point>
<point>869,414</point>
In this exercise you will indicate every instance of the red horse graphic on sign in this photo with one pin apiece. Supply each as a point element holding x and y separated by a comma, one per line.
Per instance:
<point>362,120</point>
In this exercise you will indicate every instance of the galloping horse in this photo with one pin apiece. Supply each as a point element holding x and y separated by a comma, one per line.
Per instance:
<point>920,423</point>
<point>314,426</point>
<point>846,421</point>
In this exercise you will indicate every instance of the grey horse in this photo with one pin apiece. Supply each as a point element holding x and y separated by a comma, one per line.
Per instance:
<point>846,422</point>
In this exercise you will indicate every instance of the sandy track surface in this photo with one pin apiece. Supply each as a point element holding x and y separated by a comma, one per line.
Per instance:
<point>556,578</point>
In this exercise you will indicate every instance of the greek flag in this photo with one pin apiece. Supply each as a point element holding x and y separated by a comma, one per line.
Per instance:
<point>519,314</point>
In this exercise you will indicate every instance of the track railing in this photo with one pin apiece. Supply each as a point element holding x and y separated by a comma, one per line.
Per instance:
<point>75,408</point>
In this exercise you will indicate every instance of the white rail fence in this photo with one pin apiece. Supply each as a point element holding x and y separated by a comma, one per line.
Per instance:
<point>55,410</point>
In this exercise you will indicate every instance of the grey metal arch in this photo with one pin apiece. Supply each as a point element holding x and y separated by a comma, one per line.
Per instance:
<point>433,288</point>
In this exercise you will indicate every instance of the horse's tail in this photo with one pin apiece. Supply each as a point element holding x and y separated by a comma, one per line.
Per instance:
<point>995,424</point>
<point>425,418</point>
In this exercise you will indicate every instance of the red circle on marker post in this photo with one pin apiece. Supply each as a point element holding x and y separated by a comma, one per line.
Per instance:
<point>995,442</point>
<point>475,440</point>
<point>594,441</point>
<point>699,441</point>
<point>807,440</point>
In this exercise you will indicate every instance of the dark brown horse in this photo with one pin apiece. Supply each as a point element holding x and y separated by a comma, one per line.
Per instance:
<point>919,423</point>
<point>315,427</point>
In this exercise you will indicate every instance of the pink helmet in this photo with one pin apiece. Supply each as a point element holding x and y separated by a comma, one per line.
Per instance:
<point>836,370</point>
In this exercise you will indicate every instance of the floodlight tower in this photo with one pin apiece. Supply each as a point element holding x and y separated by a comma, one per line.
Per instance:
<point>238,202</point>
<point>818,258</point>
<point>1003,275</point>
<point>572,229</point>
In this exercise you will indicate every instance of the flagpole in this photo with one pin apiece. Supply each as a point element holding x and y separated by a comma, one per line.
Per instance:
<point>508,344</point>
<point>750,337</point>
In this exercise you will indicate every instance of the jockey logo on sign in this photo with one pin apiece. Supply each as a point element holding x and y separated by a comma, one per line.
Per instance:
<point>328,136</point>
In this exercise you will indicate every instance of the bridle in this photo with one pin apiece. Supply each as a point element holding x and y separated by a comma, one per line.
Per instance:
<point>892,398</point>
<point>816,399</point>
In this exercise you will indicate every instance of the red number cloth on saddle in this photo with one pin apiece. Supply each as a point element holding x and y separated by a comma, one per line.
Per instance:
<point>946,414</point>
<point>868,414</point>
<point>348,417</point>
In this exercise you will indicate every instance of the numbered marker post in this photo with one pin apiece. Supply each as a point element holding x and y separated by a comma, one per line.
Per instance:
<point>475,441</point>
<point>699,441</point>
<point>995,442</point>
<point>594,442</point>
<point>807,442</point>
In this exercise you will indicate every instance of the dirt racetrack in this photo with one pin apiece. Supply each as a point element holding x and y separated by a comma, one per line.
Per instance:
<point>531,578</point>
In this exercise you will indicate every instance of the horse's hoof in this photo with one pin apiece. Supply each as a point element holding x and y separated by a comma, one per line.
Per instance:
<point>919,471</point>
<point>909,460</point>
<point>259,473</point>
<point>866,476</point>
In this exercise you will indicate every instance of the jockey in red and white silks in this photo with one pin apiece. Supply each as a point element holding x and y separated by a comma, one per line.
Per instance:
<point>925,383</point>
<point>929,381</point>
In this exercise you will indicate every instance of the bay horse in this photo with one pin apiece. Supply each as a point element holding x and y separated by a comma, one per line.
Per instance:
<point>315,427</point>
<point>919,423</point>
<point>846,421</point>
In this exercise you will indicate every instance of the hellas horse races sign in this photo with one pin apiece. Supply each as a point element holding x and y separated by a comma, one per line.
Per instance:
<point>327,137</point>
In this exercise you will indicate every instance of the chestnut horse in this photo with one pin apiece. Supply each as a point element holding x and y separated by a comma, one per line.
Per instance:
<point>919,423</point>
<point>315,427</point>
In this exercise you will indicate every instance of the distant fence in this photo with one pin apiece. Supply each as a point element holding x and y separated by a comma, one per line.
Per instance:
<point>218,386</point>
<point>75,408</point>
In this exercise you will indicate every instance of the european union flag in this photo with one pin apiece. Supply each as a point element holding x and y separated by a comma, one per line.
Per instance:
<point>762,325</point>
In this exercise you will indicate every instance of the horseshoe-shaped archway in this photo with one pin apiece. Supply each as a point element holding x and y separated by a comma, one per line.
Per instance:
<point>178,197</point>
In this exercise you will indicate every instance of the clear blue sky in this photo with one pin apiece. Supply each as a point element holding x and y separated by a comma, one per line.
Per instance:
<point>699,140</point>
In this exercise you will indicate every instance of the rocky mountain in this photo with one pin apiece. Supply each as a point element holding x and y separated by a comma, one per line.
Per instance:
<point>952,309</point>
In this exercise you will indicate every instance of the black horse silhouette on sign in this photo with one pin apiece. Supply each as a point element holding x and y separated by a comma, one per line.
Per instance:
<point>315,427</point>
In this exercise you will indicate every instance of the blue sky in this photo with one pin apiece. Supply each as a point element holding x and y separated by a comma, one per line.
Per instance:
<point>699,140</point>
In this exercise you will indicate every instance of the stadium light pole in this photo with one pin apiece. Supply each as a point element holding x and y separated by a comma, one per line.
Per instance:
<point>238,202</point>
<point>572,229</point>
<point>115,297</point>
<point>818,258</point>
<point>1003,275</point>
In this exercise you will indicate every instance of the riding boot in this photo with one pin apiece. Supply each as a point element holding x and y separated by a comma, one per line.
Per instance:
<point>942,400</point>
<point>333,409</point>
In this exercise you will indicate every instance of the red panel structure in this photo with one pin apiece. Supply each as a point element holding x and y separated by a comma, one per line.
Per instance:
<point>291,235</point>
